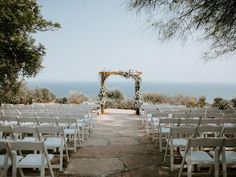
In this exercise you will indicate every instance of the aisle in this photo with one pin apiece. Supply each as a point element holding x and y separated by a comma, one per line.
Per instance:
<point>118,147</point>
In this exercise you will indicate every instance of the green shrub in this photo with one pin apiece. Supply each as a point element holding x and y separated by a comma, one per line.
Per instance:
<point>114,94</point>
<point>61,100</point>
<point>120,104</point>
<point>77,98</point>
<point>154,98</point>
<point>201,101</point>
<point>221,103</point>
<point>43,95</point>
<point>233,101</point>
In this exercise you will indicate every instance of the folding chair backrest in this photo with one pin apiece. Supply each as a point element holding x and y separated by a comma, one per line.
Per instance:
<point>228,121</point>
<point>28,114</point>
<point>44,114</point>
<point>214,115</point>
<point>230,142</point>
<point>50,129</point>
<point>229,115</point>
<point>67,121</point>
<point>49,121</point>
<point>204,130</point>
<point>6,129</point>
<point>158,115</point>
<point>169,121</point>
<point>179,115</point>
<point>209,121</point>
<point>196,115</point>
<point>28,146</point>
<point>182,131</point>
<point>228,132</point>
<point>3,145</point>
<point>205,142</point>
<point>189,122</point>
<point>32,120</point>
<point>10,119</point>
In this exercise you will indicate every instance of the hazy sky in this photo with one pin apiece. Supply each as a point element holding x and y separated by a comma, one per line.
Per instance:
<point>105,35</point>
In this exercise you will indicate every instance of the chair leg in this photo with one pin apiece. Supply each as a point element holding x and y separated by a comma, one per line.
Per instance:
<point>75,141</point>
<point>61,159</point>
<point>160,142</point>
<point>14,170</point>
<point>42,169</point>
<point>171,159</point>
<point>189,166</point>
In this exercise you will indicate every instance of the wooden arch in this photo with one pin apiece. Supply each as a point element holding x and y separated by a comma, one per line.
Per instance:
<point>136,75</point>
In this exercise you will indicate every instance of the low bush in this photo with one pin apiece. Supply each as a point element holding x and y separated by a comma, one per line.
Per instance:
<point>77,98</point>
<point>114,94</point>
<point>120,104</point>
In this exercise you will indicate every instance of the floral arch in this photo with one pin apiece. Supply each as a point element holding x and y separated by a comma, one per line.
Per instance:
<point>135,75</point>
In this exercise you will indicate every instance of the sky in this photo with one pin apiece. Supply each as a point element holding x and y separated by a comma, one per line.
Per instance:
<point>105,35</point>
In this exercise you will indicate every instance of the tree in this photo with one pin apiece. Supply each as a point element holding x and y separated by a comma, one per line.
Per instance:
<point>20,56</point>
<point>179,18</point>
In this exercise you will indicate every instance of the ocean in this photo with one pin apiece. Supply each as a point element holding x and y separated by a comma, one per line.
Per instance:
<point>209,90</point>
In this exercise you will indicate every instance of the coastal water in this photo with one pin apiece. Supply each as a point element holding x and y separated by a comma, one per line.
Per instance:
<point>209,90</point>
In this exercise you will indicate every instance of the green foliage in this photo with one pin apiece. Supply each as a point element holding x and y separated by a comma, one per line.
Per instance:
<point>217,101</point>
<point>42,95</point>
<point>61,100</point>
<point>221,103</point>
<point>154,98</point>
<point>77,98</point>
<point>19,95</point>
<point>214,19</point>
<point>20,56</point>
<point>114,94</point>
<point>120,104</point>
<point>233,101</point>
<point>201,101</point>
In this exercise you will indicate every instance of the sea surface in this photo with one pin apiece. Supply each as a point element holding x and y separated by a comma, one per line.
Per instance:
<point>209,90</point>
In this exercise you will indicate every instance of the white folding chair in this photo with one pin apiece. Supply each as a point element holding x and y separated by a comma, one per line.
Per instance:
<point>71,130</point>
<point>164,126</point>
<point>5,160</point>
<point>40,161</point>
<point>209,131</point>
<point>178,138</point>
<point>228,156</point>
<point>47,121</point>
<point>28,121</point>
<point>54,137</point>
<point>209,121</point>
<point>191,122</point>
<point>25,134</point>
<point>228,122</point>
<point>10,120</point>
<point>6,132</point>
<point>200,157</point>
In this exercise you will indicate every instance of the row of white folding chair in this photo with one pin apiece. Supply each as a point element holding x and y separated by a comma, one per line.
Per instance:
<point>178,136</point>
<point>30,160</point>
<point>162,126</point>
<point>73,129</point>
<point>200,157</point>
<point>53,136</point>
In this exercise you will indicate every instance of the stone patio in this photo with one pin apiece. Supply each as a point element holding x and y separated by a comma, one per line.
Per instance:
<point>119,147</point>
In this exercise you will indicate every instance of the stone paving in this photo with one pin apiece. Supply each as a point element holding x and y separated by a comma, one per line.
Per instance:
<point>118,147</point>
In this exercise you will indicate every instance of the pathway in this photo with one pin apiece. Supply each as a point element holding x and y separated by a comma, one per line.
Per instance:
<point>118,147</point>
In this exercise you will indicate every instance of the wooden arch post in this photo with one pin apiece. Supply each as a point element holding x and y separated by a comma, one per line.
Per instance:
<point>130,74</point>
